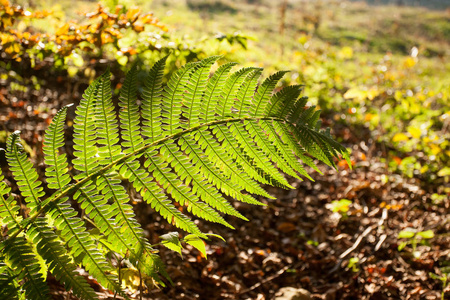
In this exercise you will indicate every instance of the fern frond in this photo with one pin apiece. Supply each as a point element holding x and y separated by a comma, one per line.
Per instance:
<point>73,229</point>
<point>246,91</point>
<point>262,162</point>
<point>262,95</point>
<point>57,166</point>
<point>129,239</point>
<point>297,109</point>
<point>106,123</point>
<point>182,193</point>
<point>214,175</point>
<point>152,101</point>
<point>283,148</point>
<point>230,90</point>
<point>155,196</point>
<point>313,144</point>
<point>129,113</point>
<point>9,286</point>
<point>213,92</point>
<point>198,140</point>
<point>19,256</point>
<point>9,209</point>
<point>81,244</point>
<point>51,249</point>
<point>84,136</point>
<point>258,134</point>
<point>128,235</point>
<point>231,162</point>
<point>173,99</point>
<point>281,102</point>
<point>24,173</point>
<point>195,89</point>
<point>288,138</point>
<point>190,174</point>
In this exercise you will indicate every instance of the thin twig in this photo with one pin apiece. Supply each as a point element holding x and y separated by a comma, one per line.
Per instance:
<point>358,241</point>
<point>270,278</point>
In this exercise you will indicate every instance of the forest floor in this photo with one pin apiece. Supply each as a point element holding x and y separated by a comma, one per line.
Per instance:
<point>296,240</point>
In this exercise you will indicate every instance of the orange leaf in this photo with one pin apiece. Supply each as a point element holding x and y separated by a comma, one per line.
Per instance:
<point>286,227</point>
<point>397,159</point>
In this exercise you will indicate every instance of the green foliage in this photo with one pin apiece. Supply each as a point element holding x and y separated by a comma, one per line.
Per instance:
<point>413,237</point>
<point>353,264</point>
<point>341,206</point>
<point>444,278</point>
<point>100,35</point>
<point>201,139</point>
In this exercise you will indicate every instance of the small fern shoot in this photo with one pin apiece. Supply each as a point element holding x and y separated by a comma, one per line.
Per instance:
<point>192,143</point>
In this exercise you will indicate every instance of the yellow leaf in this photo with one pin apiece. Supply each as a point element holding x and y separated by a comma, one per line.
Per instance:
<point>72,71</point>
<point>346,53</point>
<point>409,62</point>
<point>372,93</point>
<point>435,149</point>
<point>444,172</point>
<point>398,95</point>
<point>356,94</point>
<point>400,137</point>
<point>415,132</point>
<point>423,169</point>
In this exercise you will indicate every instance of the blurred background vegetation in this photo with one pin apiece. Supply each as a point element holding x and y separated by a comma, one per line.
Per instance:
<point>378,69</point>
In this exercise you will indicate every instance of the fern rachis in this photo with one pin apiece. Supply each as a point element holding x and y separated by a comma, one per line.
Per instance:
<point>201,138</point>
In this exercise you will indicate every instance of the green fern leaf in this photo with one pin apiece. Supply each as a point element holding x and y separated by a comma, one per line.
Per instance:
<point>57,166</point>
<point>82,246</point>
<point>230,90</point>
<point>284,149</point>
<point>262,95</point>
<point>214,175</point>
<point>106,123</point>
<point>19,256</point>
<point>62,214</point>
<point>9,209</point>
<point>258,158</point>
<point>24,173</point>
<point>213,92</point>
<point>51,249</point>
<point>181,193</point>
<point>268,147</point>
<point>84,136</point>
<point>129,113</point>
<point>155,196</point>
<point>246,91</point>
<point>195,89</point>
<point>9,286</point>
<point>190,144</point>
<point>190,174</point>
<point>280,103</point>
<point>173,99</point>
<point>229,162</point>
<point>152,100</point>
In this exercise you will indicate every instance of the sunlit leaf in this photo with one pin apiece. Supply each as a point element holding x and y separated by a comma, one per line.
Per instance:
<point>428,234</point>
<point>444,172</point>
<point>406,234</point>
<point>197,243</point>
<point>400,137</point>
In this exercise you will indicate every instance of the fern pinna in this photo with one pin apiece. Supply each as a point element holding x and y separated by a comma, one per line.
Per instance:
<point>190,143</point>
